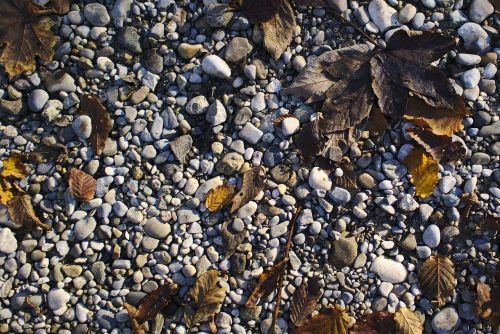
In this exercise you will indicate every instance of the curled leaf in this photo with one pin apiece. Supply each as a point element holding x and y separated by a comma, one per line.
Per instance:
<point>441,148</point>
<point>132,311</point>
<point>219,197</point>
<point>278,30</point>
<point>81,185</point>
<point>436,278</point>
<point>23,214</point>
<point>102,124</point>
<point>408,322</point>
<point>268,282</point>
<point>253,183</point>
<point>331,321</point>
<point>424,171</point>
<point>155,302</point>
<point>206,299</point>
<point>5,191</point>
<point>304,301</point>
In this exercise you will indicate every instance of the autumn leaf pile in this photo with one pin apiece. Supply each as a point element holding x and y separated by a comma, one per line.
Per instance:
<point>357,85</point>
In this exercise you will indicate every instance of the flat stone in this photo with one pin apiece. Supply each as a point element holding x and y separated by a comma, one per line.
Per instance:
<point>8,242</point>
<point>96,14</point>
<point>343,252</point>
<point>237,50</point>
<point>389,270</point>
<point>181,146</point>
<point>155,229</point>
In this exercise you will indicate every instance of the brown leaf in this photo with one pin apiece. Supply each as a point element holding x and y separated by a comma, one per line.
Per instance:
<point>424,171</point>
<point>309,140</point>
<point>101,122</point>
<point>408,322</point>
<point>442,121</point>
<point>207,298</point>
<point>311,3</point>
<point>155,302</point>
<point>219,197</point>
<point>436,278</point>
<point>332,321</point>
<point>231,240</point>
<point>81,185</point>
<point>59,7</point>
<point>24,37</point>
<point>268,282</point>
<point>278,30</point>
<point>261,10</point>
<point>487,303</point>
<point>46,153</point>
<point>419,46</point>
<point>382,321</point>
<point>136,327</point>
<point>441,148</point>
<point>377,123</point>
<point>313,81</point>
<point>253,183</point>
<point>23,214</point>
<point>349,179</point>
<point>304,301</point>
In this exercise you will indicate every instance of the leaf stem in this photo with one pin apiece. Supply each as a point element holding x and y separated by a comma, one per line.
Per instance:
<point>282,275</point>
<point>358,29</point>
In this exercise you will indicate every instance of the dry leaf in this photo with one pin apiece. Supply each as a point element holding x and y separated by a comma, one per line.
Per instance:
<point>5,191</point>
<point>490,222</point>
<point>377,123</point>
<point>349,179</point>
<point>101,122</point>
<point>268,282</point>
<point>408,322</point>
<point>207,298</point>
<point>332,321</point>
<point>24,35</point>
<point>424,171</point>
<point>23,214</point>
<point>436,279</point>
<point>278,120</point>
<point>231,240</point>
<point>155,302</point>
<point>261,10</point>
<point>46,153</point>
<point>14,167</point>
<point>278,31</point>
<point>441,148</point>
<point>441,121</point>
<point>380,322</point>
<point>136,327</point>
<point>304,301</point>
<point>81,185</point>
<point>253,183</point>
<point>219,197</point>
<point>487,303</point>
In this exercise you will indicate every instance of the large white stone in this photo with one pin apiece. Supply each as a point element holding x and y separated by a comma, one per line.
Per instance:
<point>8,242</point>
<point>318,179</point>
<point>383,15</point>
<point>389,270</point>
<point>215,66</point>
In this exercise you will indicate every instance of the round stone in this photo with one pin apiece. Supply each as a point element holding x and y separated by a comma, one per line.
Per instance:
<point>432,236</point>
<point>389,270</point>
<point>318,179</point>
<point>96,14</point>
<point>37,100</point>
<point>82,126</point>
<point>215,66</point>
<point>446,321</point>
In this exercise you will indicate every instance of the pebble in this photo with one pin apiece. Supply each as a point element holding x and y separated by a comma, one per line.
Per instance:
<point>471,78</point>
<point>237,50</point>
<point>155,229</point>
<point>250,133</point>
<point>389,270</point>
<point>197,105</point>
<point>216,113</point>
<point>479,10</point>
<point>215,66</point>
<point>96,14</point>
<point>57,300</point>
<point>432,236</point>
<point>8,242</point>
<point>343,253</point>
<point>84,228</point>
<point>474,37</point>
<point>446,184</point>
<point>82,126</point>
<point>407,13</point>
<point>289,126</point>
<point>383,15</point>
<point>318,179</point>
<point>37,100</point>
<point>340,196</point>
<point>446,321</point>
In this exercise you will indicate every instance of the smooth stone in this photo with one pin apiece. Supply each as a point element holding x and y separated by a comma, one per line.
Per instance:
<point>197,105</point>
<point>237,50</point>
<point>250,133</point>
<point>318,179</point>
<point>37,100</point>
<point>96,14</point>
<point>340,196</point>
<point>343,253</point>
<point>471,78</point>
<point>188,51</point>
<point>389,270</point>
<point>289,126</point>
<point>230,163</point>
<point>8,242</point>
<point>216,113</point>
<point>155,229</point>
<point>218,15</point>
<point>215,66</point>
<point>446,321</point>
<point>57,299</point>
<point>82,126</point>
<point>129,38</point>
<point>475,38</point>
<point>84,228</point>
<point>409,243</point>
<point>490,130</point>
<point>432,236</point>
<point>181,146</point>
<point>186,216</point>
<point>407,13</point>
<point>383,15</point>
<point>120,11</point>
<point>479,10</point>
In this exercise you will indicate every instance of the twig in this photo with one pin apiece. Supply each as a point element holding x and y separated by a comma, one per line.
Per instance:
<point>358,29</point>
<point>282,275</point>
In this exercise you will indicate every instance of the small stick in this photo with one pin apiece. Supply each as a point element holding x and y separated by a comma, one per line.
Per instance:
<point>358,29</point>
<point>282,275</point>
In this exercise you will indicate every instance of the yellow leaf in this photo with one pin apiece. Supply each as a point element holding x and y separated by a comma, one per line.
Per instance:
<point>219,197</point>
<point>408,322</point>
<point>424,171</point>
<point>5,192</point>
<point>13,166</point>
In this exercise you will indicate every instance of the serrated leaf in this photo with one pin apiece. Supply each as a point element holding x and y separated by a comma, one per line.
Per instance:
<point>349,179</point>
<point>278,31</point>
<point>81,185</point>
<point>424,171</point>
<point>260,10</point>
<point>25,35</point>
<point>304,301</point>
<point>219,197</point>
<point>436,279</point>
<point>332,321</point>
<point>253,183</point>
<point>206,299</point>
<point>136,327</point>
<point>407,322</point>
<point>5,192</point>
<point>21,211</point>
<point>380,322</point>
<point>154,302</point>
<point>14,167</point>
<point>102,124</point>
<point>268,282</point>
<point>46,153</point>
<point>441,148</point>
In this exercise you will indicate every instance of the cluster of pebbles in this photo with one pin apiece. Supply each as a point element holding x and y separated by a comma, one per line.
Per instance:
<point>192,100</point>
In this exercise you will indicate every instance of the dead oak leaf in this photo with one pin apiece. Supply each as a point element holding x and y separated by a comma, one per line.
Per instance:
<point>331,321</point>
<point>268,282</point>
<point>440,147</point>
<point>278,30</point>
<point>304,301</point>
<point>436,278</point>
<point>206,299</point>
<point>102,124</point>
<point>81,185</point>
<point>24,36</point>
<point>21,211</point>
<point>424,171</point>
<point>253,183</point>
<point>259,11</point>
<point>154,302</point>
<point>219,197</point>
